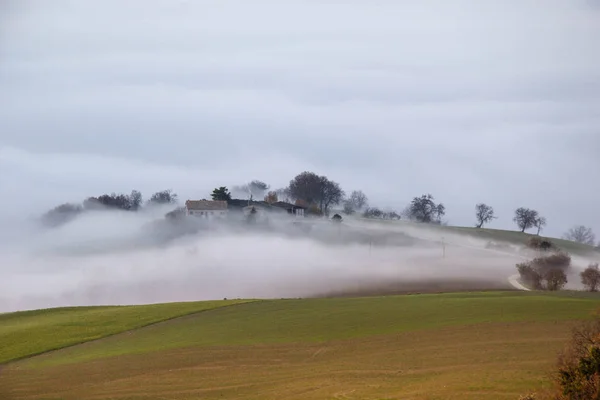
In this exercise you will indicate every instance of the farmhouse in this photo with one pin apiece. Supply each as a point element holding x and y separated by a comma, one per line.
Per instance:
<point>292,209</point>
<point>279,207</point>
<point>206,208</point>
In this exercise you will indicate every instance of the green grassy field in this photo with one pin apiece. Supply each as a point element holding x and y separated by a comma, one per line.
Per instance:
<point>493,345</point>
<point>27,333</point>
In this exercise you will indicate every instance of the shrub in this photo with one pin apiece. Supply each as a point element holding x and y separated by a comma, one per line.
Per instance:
<point>590,277</point>
<point>578,376</point>
<point>556,279</point>
<point>560,260</point>
<point>546,272</point>
<point>538,243</point>
<point>530,276</point>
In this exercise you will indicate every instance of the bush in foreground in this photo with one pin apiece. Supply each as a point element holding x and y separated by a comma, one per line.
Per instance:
<point>577,374</point>
<point>590,277</point>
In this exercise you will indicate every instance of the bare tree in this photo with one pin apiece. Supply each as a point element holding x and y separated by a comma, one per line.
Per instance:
<point>163,197</point>
<point>424,209</point>
<point>332,194</point>
<point>484,214</point>
<point>316,190</point>
<point>525,218</point>
<point>254,189</point>
<point>356,202</point>
<point>306,186</point>
<point>581,234</point>
<point>540,223</point>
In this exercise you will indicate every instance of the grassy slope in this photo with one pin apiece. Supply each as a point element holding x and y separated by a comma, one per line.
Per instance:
<point>468,345</point>
<point>514,237</point>
<point>27,333</point>
<point>316,320</point>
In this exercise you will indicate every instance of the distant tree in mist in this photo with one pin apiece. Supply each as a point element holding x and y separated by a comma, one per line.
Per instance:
<point>115,201</point>
<point>221,193</point>
<point>316,190</point>
<point>391,215</point>
<point>373,212</point>
<point>258,188</point>
<point>283,194</point>
<point>163,197</point>
<point>424,209</point>
<point>135,200</point>
<point>355,202</point>
<point>540,223</point>
<point>581,234</point>
<point>332,194</point>
<point>525,218</point>
<point>271,197</point>
<point>61,214</point>
<point>255,189</point>
<point>484,214</point>
<point>349,208</point>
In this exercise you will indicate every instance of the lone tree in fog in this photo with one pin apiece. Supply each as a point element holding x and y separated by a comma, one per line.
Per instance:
<point>581,234</point>
<point>525,218</point>
<point>373,212</point>
<point>316,190</point>
<point>424,209</point>
<point>484,214</point>
<point>356,202</point>
<point>255,189</point>
<point>540,223</point>
<point>163,197</point>
<point>221,193</point>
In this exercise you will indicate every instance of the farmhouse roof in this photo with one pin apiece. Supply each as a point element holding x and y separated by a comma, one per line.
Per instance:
<point>283,204</point>
<point>206,205</point>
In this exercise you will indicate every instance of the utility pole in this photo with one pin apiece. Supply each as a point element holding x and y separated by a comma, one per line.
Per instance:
<point>443,248</point>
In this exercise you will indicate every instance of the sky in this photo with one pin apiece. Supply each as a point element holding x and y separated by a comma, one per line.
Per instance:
<point>471,101</point>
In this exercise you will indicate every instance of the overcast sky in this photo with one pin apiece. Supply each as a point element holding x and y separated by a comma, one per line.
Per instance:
<point>471,101</point>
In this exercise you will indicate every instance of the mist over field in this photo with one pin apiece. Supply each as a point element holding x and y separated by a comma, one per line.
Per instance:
<point>117,258</point>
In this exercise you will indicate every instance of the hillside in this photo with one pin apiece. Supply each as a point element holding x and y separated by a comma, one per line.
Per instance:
<point>487,234</point>
<point>493,345</point>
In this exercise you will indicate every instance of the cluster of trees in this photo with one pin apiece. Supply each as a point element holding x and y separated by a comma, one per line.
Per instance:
<point>527,218</point>
<point>546,272</point>
<point>319,194</point>
<point>549,272</point>
<point>114,201</point>
<point>314,191</point>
